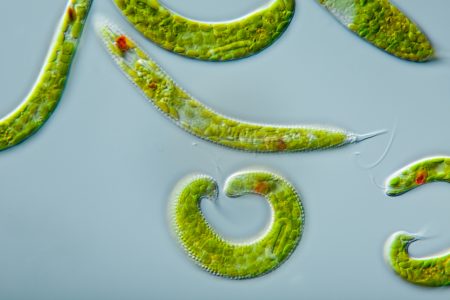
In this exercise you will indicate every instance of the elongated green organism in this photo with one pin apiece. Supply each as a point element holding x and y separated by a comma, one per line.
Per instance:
<point>417,174</point>
<point>199,120</point>
<point>209,41</point>
<point>37,107</point>
<point>238,260</point>
<point>430,271</point>
<point>382,24</point>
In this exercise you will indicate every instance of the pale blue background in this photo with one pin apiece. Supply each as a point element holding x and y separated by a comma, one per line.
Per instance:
<point>83,203</point>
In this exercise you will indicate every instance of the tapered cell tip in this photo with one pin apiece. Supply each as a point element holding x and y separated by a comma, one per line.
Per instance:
<point>356,138</point>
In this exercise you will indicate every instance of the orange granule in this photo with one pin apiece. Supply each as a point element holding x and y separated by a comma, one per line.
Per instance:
<point>421,177</point>
<point>122,43</point>
<point>72,13</point>
<point>261,187</point>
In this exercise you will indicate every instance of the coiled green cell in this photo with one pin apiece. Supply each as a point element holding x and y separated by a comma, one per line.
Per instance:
<point>38,106</point>
<point>238,260</point>
<point>382,24</point>
<point>209,41</point>
<point>417,174</point>
<point>199,120</point>
<point>430,271</point>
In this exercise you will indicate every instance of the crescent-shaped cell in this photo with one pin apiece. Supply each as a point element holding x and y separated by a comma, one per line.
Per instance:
<point>238,260</point>
<point>214,41</point>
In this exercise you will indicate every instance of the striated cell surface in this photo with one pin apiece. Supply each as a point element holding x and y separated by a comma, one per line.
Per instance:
<point>218,41</point>
<point>38,106</point>
<point>199,120</point>
<point>385,26</point>
<point>238,260</point>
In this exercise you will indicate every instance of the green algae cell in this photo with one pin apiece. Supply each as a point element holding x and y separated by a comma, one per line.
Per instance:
<point>214,41</point>
<point>238,260</point>
<point>382,24</point>
<point>203,122</point>
<point>40,103</point>
<point>431,271</point>
<point>417,174</point>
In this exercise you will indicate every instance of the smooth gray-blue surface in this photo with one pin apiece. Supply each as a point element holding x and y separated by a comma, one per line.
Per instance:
<point>83,203</point>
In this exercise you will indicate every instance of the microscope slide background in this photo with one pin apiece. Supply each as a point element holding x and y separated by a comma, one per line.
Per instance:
<point>84,202</point>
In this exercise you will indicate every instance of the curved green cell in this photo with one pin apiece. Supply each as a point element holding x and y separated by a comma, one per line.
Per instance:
<point>430,271</point>
<point>417,174</point>
<point>199,120</point>
<point>209,41</point>
<point>40,103</point>
<point>238,260</point>
<point>382,24</point>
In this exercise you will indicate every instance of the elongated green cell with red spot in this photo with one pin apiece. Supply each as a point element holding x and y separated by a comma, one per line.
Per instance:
<point>382,24</point>
<point>238,260</point>
<point>418,173</point>
<point>199,120</point>
<point>38,106</point>
<point>218,41</point>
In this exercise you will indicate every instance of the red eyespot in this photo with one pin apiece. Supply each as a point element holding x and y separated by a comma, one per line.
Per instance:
<point>281,145</point>
<point>122,43</point>
<point>261,187</point>
<point>421,177</point>
<point>153,85</point>
<point>72,14</point>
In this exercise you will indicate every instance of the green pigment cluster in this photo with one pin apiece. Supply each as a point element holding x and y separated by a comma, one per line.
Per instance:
<point>209,41</point>
<point>384,25</point>
<point>199,120</point>
<point>244,260</point>
<point>46,93</point>
<point>417,174</point>
<point>432,271</point>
